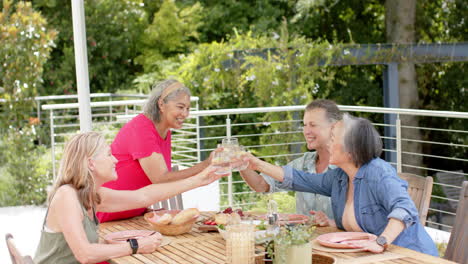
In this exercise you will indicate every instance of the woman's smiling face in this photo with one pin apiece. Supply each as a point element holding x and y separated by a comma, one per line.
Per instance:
<point>316,129</point>
<point>175,111</point>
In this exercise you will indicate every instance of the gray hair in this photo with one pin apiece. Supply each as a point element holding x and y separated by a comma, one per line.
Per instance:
<point>151,108</point>
<point>361,139</point>
<point>332,112</point>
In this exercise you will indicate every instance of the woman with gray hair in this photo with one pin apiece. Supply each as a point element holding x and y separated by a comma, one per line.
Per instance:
<point>366,193</point>
<point>143,145</point>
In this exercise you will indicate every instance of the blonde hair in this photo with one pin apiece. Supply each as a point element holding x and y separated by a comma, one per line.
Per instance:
<point>166,91</point>
<point>74,169</point>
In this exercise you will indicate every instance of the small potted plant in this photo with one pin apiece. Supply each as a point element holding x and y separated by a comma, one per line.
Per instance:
<point>292,245</point>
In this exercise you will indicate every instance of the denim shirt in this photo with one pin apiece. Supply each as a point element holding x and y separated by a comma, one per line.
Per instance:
<point>305,201</point>
<point>379,194</point>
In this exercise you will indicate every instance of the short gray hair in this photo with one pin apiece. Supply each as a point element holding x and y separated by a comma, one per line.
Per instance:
<point>151,107</point>
<point>332,112</point>
<point>361,139</point>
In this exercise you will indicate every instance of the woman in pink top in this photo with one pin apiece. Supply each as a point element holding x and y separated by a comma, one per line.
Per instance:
<point>143,145</point>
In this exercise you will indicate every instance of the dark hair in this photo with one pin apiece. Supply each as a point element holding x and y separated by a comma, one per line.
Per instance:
<point>332,112</point>
<point>361,139</point>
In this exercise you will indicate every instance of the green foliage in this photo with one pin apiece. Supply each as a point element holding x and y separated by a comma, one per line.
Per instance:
<point>113,31</point>
<point>27,168</point>
<point>286,202</point>
<point>26,45</point>
<point>173,31</point>
<point>221,18</point>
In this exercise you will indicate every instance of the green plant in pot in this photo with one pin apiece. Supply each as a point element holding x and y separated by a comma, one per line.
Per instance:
<point>292,245</point>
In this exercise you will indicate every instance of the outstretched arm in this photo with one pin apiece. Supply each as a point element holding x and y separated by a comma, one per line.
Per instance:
<point>276,172</point>
<point>155,168</point>
<point>255,180</point>
<point>114,200</point>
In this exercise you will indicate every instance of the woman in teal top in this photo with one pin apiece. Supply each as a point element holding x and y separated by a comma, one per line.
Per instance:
<point>69,232</point>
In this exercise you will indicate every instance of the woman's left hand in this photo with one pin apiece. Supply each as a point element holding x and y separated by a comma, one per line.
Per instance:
<point>369,245</point>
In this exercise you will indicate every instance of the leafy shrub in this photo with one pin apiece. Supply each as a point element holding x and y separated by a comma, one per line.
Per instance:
<point>27,168</point>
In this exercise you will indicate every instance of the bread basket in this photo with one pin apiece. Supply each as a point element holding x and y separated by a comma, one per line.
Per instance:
<point>322,259</point>
<point>170,229</point>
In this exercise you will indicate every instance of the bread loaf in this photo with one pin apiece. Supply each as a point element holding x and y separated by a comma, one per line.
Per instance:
<point>165,219</point>
<point>227,219</point>
<point>184,216</point>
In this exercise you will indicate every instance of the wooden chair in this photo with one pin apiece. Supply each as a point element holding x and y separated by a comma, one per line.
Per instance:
<point>173,203</point>
<point>420,189</point>
<point>457,248</point>
<point>16,257</point>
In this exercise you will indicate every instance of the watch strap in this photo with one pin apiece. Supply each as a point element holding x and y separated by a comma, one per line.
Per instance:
<point>382,241</point>
<point>133,244</point>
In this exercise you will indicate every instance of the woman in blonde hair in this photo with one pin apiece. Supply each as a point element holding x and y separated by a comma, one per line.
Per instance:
<point>143,145</point>
<point>69,233</point>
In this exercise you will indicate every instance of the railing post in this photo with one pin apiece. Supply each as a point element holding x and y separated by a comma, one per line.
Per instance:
<point>52,141</point>
<point>110,109</point>
<point>230,196</point>
<point>228,127</point>
<point>398,142</point>
<point>197,121</point>
<point>391,100</point>
<point>228,135</point>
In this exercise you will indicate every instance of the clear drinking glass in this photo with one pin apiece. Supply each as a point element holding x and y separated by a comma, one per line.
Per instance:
<point>222,160</point>
<point>230,141</point>
<point>237,163</point>
<point>240,244</point>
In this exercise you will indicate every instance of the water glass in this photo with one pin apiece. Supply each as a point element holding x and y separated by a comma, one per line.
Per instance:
<point>240,244</point>
<point>221,160</point>
<point>230,141</point>
<point>237,163</point>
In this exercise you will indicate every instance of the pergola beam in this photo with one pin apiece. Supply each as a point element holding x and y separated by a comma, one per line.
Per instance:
<point>370,54</point>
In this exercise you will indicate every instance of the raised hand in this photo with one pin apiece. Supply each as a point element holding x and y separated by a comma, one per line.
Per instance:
<point>253,161</point>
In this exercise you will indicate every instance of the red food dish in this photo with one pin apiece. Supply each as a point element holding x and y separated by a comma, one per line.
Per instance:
<point>344,239</point>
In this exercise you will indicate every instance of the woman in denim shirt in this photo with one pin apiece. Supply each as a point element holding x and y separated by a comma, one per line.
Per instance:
<point>367,194</point>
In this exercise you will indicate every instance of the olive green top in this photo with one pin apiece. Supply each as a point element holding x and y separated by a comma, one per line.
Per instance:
<point>53,248</point>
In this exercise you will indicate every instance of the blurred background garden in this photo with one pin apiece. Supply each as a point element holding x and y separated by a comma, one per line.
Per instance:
<point>134,43</point>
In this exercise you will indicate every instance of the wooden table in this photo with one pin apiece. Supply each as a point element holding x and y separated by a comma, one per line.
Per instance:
<point>199,247</point>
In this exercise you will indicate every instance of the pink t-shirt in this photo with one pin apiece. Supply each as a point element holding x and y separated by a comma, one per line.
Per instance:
<point>137,139</point>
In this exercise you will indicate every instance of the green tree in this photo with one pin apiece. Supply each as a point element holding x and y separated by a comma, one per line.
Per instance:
<point>113,30</point>
<point>26,45</point>
<point>172,32</point>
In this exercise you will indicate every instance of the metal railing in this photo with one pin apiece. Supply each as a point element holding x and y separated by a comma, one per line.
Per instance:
<point>106,116</point>
<point>275,134</point>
